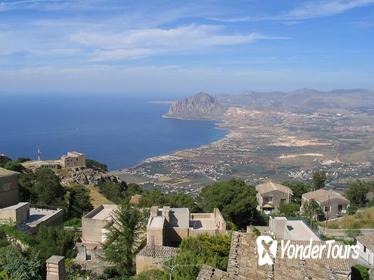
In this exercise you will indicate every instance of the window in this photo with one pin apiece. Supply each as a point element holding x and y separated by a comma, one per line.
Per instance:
<point>364,249</point>
<point>340,207</point>
<point>326,209</point>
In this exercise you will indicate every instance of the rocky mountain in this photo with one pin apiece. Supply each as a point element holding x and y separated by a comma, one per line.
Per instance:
<point>198,106</point>
<point>85,176</point>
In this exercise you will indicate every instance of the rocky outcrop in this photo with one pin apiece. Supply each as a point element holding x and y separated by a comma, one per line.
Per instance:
<point>85,176</point>
<point>199,106</point>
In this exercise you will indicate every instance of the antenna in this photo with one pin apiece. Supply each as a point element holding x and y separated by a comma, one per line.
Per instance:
<point>39,154</point>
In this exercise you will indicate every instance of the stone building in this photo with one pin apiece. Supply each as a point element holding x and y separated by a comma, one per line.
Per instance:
<point>366,249</point>
<point>70,160</point>
<point>332,204</point>
<point>167,227</point>
<point>270,195</point>
<point>94,231</point>
<point>8,188</point>
<point>73,160</point>
<point>27,218</point>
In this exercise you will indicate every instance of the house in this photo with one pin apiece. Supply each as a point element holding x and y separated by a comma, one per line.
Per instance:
<point>94,231</point>
<point>332,204</point>
<point>270,195</point>
<point>73,160</point>
<point>70,160</point>
<point>366,248</point>
<point>8,188</point>
<point>26,218</point>
<point>167,227</point>
<point>295,230</point>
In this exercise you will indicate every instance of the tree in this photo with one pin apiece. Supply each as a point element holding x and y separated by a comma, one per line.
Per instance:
<point>47,187</point>
<point>124,237</point>
<point>18,266</point>
<point>236,200</point>
<point>53,241</point>
<point>357,193</point>
<point>115,192</point>
<point>319,179</point>
<point>289,209</point>
<point>212,250</point>
<point>298,189</point>
<point>94,164</point>
<point>14,165</point>
<point>312,210</point>
<point>360,272</point>
<point>78,201</point>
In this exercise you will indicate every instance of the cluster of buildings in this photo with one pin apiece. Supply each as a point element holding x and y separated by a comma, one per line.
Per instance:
<point>166,228</point>
<point>270,196</point>
<point>70,160</point>
<point>27,218</point>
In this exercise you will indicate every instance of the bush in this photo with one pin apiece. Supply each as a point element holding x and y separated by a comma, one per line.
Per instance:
<point>360,272</point>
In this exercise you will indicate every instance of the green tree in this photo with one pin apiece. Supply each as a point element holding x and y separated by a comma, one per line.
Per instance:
<point>312,210</point>
<point>196,251</point>
<point>78,201</point>
<point>14,165</point>
<point>236,200</point>
<point>360,272</point>
<point>47,187</point>
<point>319,179</point>
<point>115,192</point>
<point>289,209</point>
<point>18,266</point>
<point>151,275</point>
<point>357,193</point>
<point>124,237</point>
<point>53,241</point>
<point>298,189</point>
<point>94,164</point>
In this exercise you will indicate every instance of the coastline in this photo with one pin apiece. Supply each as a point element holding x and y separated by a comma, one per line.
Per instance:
<point>218,124</point>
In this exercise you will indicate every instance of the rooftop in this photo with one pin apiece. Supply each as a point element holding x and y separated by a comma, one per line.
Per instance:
<point>103,212</point>
<point>270,186</point>
<point>37,216</point>
<point>323,195</point>
<point>15,206</point>
<point>299,231</point>
<point>156,222</point>
<point>243,265</point>
<point>158,251</point>
<point>5,172</point>
<point>367,240</point>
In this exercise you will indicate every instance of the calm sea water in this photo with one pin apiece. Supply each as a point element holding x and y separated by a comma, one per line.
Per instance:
<point>118,131</point>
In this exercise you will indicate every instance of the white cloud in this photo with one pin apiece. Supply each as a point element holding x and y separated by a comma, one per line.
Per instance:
<point>312,9</point>
<point>144,42</point>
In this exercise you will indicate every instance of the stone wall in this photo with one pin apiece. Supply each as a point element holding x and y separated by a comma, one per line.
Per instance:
<point>8,190</point>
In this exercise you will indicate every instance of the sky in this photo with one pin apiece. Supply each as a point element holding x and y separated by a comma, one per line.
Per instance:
<point>182,47</point>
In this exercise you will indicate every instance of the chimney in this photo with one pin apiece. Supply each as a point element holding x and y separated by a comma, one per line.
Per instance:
<point>56,268</point>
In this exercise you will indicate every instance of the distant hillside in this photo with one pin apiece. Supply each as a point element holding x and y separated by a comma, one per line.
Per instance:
<point>199,106</point>
<point>304,100</point>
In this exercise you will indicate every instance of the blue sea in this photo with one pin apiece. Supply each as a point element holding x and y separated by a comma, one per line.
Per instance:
<point>118,131</point>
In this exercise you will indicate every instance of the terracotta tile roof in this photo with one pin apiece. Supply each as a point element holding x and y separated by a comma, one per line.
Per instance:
<point>323,195</point>
<point>270,186</point>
